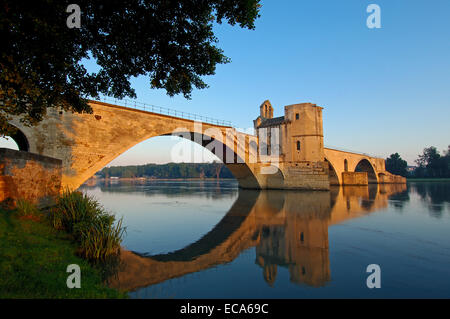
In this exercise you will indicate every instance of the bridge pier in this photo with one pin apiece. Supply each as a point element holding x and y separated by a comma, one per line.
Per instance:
<point>281,176</point>
<point>355,178</point>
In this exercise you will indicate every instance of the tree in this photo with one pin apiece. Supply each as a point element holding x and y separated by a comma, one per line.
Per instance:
<point>172,42</point>
<point>446,162</point>
<point>432,164</point>
<point>429,155</point>
<point>128,174</point>
<point>396,165</point>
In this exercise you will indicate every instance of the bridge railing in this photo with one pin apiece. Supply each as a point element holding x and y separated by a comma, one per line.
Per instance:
<point>350,151</point>
<point>163,110</point>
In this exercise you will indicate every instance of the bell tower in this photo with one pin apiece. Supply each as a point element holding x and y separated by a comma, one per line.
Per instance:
<point>266,110</point>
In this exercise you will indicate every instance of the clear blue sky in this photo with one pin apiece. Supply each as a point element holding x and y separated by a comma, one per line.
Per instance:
<point>384,90</point>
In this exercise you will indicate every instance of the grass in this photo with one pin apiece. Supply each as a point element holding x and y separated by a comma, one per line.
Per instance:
<point>34,257</point>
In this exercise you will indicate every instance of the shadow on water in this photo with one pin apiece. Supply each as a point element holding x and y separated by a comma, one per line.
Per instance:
<point>287,228</point>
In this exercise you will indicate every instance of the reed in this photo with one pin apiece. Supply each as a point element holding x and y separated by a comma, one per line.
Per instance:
<point>100,240</point>
<point>94,229</point>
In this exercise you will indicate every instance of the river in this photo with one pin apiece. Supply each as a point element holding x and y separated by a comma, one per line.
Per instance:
<point>208,239</point>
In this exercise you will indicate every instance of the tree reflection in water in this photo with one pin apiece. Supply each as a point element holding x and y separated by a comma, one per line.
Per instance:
<point>435,195</point>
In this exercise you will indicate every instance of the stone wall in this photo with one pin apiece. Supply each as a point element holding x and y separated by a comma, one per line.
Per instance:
<point>312,177</point>
<point>29,176</point>
<point>355,178</point>
<point>387,178</point>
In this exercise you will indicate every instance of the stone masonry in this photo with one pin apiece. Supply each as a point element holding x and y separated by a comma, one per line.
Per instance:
<point>28,176</point>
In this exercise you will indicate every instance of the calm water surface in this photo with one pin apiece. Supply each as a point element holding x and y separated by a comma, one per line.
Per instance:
<point>203,239</point>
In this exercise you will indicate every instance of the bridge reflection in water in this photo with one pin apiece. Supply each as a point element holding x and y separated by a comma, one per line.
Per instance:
<point>287,228</point>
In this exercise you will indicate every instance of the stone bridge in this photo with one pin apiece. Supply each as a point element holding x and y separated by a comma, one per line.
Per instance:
<point>87,142</point>
<point>288,229</point>
<point>344,164</point>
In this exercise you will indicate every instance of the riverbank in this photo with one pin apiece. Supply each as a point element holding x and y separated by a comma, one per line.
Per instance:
<point>34,259</point>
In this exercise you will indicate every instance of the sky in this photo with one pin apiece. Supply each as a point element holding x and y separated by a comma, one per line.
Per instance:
<point>383,90</point>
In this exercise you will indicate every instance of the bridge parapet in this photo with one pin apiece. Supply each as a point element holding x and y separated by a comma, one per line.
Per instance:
<point>164,111</point>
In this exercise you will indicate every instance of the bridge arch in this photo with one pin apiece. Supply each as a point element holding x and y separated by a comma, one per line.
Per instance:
<point>235,161</point>
<point>274,177</point>
<point>365,165</point>
<point>20,138</point>
<point>210,141</point>
<point>332,174</point>
<point>88,142</point>
<point>345,161</point>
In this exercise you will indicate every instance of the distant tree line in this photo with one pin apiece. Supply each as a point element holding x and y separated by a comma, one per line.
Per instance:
<point>430,164</point>
<point>170,170</point>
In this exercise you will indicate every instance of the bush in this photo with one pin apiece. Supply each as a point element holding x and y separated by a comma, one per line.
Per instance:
<point>89,223</point>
